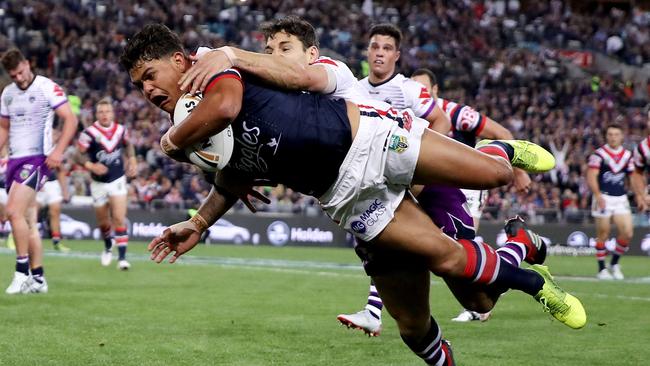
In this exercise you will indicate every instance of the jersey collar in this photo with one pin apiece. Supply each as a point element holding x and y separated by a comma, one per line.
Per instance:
<point>383,82</point>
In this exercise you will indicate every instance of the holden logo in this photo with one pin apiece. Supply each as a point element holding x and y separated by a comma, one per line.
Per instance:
<point>278,233</point>
<point>358,227</point>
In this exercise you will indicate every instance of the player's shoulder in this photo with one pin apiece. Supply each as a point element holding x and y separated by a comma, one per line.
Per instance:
<point>324,60</point>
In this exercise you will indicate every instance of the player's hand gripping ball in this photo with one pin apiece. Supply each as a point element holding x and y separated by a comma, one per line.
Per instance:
<point>212,154</point>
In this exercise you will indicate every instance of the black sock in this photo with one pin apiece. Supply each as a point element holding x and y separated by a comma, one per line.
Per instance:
<point>428,348</point>
<point>22,265</point>
<point>517,278</point>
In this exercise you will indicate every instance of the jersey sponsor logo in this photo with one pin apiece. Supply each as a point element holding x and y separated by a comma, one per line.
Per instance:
<point>278,233</point>
<point>398,143</point>
<point>32,99</point>
<point>613,178</point>
<point>251,160</point>
<point>358,227</point>
<point>109,158</point>
<point>370,216</point>
<point>388,100</point>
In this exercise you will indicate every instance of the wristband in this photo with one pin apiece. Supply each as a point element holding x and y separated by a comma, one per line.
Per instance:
<point>229,54</point>
<point>199,222</point>
<point>167,145</point>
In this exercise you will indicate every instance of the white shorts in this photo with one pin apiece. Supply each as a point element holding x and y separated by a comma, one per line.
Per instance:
<point>374,176</point>
<point>3,196</point>
<point>50,193</point>
<point>475,201</point>
<point>614,205</point>
<point>101,191</point>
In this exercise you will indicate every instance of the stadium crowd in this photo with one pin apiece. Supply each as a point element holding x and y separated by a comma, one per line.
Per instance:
<point>502,63</point>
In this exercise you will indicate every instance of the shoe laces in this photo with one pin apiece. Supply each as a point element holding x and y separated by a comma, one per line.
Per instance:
<point>553,303</point>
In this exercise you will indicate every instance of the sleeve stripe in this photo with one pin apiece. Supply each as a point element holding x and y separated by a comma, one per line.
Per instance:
<point>325,61</point>
<point>481,124</point>
<point>223,75</point>
<point>3,116</point>
<point>431,107</point>
<point>60,104</point>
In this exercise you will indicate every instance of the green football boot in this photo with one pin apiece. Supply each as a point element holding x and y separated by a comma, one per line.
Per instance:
<point>561,304</point>
<point>528,156</point>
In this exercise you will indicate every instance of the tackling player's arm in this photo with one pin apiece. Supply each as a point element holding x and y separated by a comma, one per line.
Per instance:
<point>279,71</point>
<point>67,133</point>
<point>639,187</point>
<point>131,162</point>
<point>62,177</point>
<point>221,104</point>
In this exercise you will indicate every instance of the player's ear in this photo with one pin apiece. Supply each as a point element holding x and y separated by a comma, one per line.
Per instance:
<point>179,60</point>
<point>398,55</point>
<point>313,53</point>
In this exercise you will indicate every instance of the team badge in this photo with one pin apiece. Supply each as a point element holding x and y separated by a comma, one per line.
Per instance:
<point>398,143</point>
<point>32,99</point>
<point>24,174</point>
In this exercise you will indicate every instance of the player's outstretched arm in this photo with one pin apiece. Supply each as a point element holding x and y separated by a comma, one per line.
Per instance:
<point>180,238</point>
<point>69,129</point>
<point>279,71</point>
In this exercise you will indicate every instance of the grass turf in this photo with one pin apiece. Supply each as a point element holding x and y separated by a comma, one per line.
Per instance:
<point>238,305</point>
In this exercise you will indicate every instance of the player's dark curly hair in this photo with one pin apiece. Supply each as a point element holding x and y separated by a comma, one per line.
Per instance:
<point>387,29</point>
<point>11,59</point>
<point>153,42</point>
<point>292,25</point>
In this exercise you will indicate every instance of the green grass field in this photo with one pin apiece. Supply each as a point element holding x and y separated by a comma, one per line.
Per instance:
<point>229,305</point>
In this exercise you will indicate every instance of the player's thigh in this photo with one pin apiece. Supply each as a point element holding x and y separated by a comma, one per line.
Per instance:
<point>603,225</point>
<point>445,161</point>
<point>623,223</point>
<point>472,296</point>
<point>20,198</point>
<point>412,231</point>
<point>405,295</point>
<point>118,204</point>
<point>102,213</point>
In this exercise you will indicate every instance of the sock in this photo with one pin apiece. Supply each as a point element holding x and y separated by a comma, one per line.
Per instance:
<point>430,348</point>
<point>513,253</point>
<point>37,274</point>
<point>22,264</point>
<point>122,240</point>
<point>108,238</point>
<point>622,246</point>
<point>374,304</point>
<point>486,267</point>
<point>56,237</point>
<point>601,254</point>
<point>498,148</point>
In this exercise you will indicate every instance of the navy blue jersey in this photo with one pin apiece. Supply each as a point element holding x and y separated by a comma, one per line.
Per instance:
<point>612,167</point>
<point>293,138</point>
<point>105,145</point>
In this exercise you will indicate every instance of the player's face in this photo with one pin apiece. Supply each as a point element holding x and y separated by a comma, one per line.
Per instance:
<point>382,55</point>
<point>158,80</point>
<point>104,114</point>
<point>614,137</point>
<point>288,45</point>
<point>22,74</point>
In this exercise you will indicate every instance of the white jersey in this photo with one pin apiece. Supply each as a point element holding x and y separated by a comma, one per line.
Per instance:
<point>347,86</point>
<point>402,93</point>
<point>31,113</point>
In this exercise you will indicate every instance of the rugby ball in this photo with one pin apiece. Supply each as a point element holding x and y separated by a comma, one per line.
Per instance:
<point>212,154</point>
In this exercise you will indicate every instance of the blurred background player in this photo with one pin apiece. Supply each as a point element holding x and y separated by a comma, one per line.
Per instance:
<point>27,111</point>
<point>641,157</point>
<point>50,198</point>
<point>608,167</point>
<point>101,149</point>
